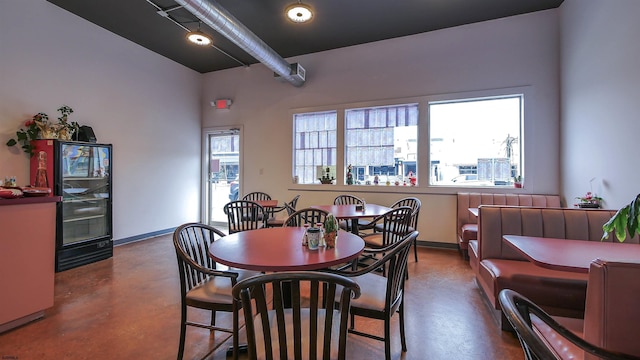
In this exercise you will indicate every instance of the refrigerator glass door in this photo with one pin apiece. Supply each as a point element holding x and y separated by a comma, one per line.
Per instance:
<point>86,192</point>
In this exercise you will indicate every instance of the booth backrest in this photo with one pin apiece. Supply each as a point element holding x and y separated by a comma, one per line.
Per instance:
<point>474,200</point>
<point>612,314</point>
<point>575,224</point>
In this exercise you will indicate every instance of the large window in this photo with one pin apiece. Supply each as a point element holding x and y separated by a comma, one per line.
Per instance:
<point>476,142</point>
<point>381,144</point>
<point>314,145</point>
<point>475,139</point>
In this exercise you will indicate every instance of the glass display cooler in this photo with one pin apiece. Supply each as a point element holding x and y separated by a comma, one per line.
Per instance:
<point>80,172</point>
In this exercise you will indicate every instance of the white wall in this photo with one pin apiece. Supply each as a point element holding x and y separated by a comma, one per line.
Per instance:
<point>510,52</point>
<point>147,106</point>
<point>600,99</point>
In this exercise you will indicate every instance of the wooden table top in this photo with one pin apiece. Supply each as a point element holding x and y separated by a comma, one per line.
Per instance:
<point>570,255</point>
<point>350,212</point>
<point>281,249</point>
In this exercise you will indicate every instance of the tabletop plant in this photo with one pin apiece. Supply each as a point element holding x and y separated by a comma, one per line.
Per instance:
<point>625,220</point>
<point>330,231</point>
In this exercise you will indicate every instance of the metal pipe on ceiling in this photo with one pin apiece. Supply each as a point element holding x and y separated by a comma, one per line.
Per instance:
<point>219,19</point>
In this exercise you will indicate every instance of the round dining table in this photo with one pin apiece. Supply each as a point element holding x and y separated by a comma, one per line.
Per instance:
<point>281,249</point>
<point>352,213</point>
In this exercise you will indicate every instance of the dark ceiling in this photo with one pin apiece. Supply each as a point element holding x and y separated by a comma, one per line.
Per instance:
<point>337,23</point>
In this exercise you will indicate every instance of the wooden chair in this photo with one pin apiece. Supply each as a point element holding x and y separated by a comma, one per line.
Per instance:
<point>381,297</point>
<point>414,204</point>
<point>309,216</point>
<point>244,215</point>
<point>256,196</point>
<point>290,207</point>
<point>201,284</point>
<point>393,226</point>
<point>527,319</point>
<point>351,200</point>
<point>307,330</point>
<point>260,196</point>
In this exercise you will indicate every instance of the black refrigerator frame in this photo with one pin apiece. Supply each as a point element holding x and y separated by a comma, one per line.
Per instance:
<point>91,248</point>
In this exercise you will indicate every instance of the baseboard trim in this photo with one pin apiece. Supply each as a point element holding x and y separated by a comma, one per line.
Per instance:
<point>435,244</point>
<point>142,236</point>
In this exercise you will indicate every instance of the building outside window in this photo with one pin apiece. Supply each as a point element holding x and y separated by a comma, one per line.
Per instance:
<point>381,144</point>
<point>475,142</point>
<point>314,145</point>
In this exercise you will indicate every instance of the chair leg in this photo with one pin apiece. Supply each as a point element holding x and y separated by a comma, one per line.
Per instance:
<point>402,337</point>
<point>213,318</point>
<point>183,331</point>
<point>415,248</point>
<point>387,338</point>
<point>236,332</point>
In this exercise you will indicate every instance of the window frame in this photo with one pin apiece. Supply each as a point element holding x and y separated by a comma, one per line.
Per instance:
<point>505,93</point>
<point>424,157</point>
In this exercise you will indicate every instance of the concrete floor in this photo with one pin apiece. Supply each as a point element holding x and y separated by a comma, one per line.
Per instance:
<point>128,307</point>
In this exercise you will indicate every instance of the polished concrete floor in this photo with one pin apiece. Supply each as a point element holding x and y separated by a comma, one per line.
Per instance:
<point>128,307</point>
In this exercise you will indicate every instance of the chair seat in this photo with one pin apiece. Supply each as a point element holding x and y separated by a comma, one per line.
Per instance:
<point>373,289</point>
<point>235,230</point>
<point>215,291</point>
<point>275,222</point>
<point>288,315</point>
<point>373,240</point>
<point>380,228</point>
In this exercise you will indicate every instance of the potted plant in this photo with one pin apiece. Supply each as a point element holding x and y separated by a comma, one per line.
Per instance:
<point>625,220</point>
<point>517,181</point>
<point>589,200</point>
<point>66,129</point>
<point>32,132</point>
<point>326,177</point>
<point>39,127</point>
<point>330,231</point>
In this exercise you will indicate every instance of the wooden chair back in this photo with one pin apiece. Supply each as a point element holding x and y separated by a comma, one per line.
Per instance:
<point>310,329</point>
<point>244,215</point>
<point>309,216</point>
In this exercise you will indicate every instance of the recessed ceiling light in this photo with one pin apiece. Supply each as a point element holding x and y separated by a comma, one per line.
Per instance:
<point>199,38</point>
<point>299,12</point>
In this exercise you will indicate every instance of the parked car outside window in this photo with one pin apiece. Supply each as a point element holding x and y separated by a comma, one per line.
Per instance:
<point>233,189</point>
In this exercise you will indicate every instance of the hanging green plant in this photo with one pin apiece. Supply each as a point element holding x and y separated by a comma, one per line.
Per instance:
<point>626,220</point>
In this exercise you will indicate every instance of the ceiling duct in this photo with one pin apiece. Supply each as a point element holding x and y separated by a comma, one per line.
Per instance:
<point>219,19</point>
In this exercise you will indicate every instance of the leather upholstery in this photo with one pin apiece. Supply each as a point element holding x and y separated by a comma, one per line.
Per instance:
<point>499,266</point>
<point>474,200</point>
<point>612,313</point>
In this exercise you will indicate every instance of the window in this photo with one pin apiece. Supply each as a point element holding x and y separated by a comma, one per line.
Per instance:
<point>475,142</point>
<point>314,145</point>
<point>381,144</point>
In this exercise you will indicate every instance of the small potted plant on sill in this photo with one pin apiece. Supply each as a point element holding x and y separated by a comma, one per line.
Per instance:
<point>517,181</point>
<point>326,177</point>
<point>624,221</point>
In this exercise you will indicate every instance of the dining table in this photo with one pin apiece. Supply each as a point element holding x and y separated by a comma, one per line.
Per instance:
<point>282,249</point>
<point>353,213</point>
<point>570,255</point>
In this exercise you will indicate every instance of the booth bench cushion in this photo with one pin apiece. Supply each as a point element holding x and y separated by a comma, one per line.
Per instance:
<point>497,266</point>
<point>467,223</point>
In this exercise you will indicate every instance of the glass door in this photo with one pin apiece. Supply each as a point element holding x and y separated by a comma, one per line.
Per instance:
<point>85,176</point>
<point>223,173</point>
